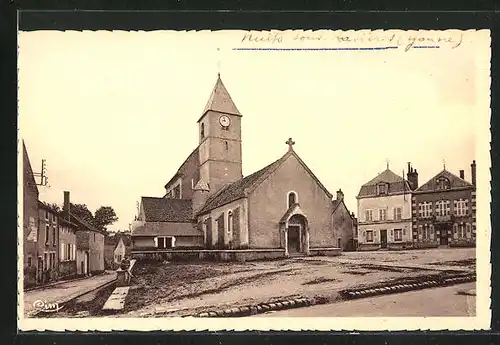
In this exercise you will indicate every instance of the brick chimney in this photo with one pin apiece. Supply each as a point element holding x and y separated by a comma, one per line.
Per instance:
<point>462,174</point>
<point>340,195</point>
<point>473,172</point>
<point>412,177</point>
<point>66,206</point>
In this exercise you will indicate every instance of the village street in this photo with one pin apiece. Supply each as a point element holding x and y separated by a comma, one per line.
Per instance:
<point>64,291</point>
<point>174,289</point>
<point>456,300</point>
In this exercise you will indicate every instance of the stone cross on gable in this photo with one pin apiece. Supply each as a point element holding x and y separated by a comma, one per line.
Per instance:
<point>290,143</point>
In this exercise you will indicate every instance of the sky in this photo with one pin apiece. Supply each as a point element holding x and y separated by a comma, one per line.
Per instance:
<point>114,113</point>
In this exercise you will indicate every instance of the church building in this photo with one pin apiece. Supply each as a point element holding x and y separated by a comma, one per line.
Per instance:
<point>210,208</point>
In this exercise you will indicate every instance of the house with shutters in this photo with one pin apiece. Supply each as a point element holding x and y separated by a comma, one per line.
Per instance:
<point>280,210</point>
<point>444,211</point>
<point>384,211</point>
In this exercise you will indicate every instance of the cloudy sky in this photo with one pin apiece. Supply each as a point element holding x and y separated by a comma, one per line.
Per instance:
<point>114,113</point>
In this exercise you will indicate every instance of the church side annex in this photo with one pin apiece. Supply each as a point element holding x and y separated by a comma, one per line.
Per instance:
<point>210,210</point>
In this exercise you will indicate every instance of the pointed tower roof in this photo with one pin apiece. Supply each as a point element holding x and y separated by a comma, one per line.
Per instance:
<point>220,100</point>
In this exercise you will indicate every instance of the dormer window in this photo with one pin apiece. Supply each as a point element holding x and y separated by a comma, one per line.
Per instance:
<point>442,183</point>
<point>382,189</point>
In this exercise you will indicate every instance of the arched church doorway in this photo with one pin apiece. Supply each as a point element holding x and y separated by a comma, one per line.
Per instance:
<point>297,227</point>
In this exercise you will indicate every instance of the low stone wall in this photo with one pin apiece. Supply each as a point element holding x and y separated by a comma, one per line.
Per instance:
<point>462,243</point>
<point>325,251</point>
<point>210,255</point>
<point>422,245</point>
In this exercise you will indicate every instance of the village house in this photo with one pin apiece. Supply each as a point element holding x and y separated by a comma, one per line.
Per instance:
<point>89,242</point>
<point>67,249</point>
<point>278,211</point>
<point>30,222</point>
<point>117,245</point>
<point>384,211</point>
<point>444,211</point>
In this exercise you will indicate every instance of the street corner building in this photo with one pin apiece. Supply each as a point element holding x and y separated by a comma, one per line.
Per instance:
<point>209,210</point>
<point>444,211</point>
<point>384,211</point>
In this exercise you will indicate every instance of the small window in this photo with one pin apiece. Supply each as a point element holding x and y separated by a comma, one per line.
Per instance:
<point>382,189</point>
<point>369,236</point>
<point>47,233</point>
<point>398,235</point>
<point>54,237</point>
<point>397,213</point>
<point>46,215</point>
<point>382,214</point>
<point>30,261</point>
<point>292,199</point>
<point>368,215</point>
<point>94,236</point>
<point>227,145</point>
<point>202,130</point>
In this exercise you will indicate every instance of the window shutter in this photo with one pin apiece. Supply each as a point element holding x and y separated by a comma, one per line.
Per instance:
<point>455,231</point>
<point>468,233</point>
<point>420,232</point>
<point>173,241</point>
<point>74,252</point>
<point>156,242</point>
<point>61,251</point>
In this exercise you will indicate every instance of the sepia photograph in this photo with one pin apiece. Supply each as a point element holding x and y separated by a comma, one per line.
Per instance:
<point>277,180</point>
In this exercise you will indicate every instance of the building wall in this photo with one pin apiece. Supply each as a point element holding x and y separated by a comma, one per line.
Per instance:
<point>269,201</point>
<point>343,227</point>
<point>240,225</point>
<point>96,252</point>
<point>67,256</point>
<point>190,174</point>
<point>80,261</point>
<point>30,223</point>
<point>148,242</point>
<point>389,203</point>
<point>48,246</point>
<point>453,239</point>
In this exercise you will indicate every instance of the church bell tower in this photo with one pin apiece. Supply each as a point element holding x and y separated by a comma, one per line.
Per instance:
<point>220,140</point>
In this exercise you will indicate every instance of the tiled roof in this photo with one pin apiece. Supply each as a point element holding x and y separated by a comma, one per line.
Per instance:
<point>241,188</point>
<point>167,210</point>
<point>396,183</point>
<point>79,221</point>
<point>220,100</point>
<point>166,229</point>
<point>455,182</point>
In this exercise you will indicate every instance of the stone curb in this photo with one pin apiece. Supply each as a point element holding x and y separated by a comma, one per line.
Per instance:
<point>410,286</point>
<point>259,308</point>
<point>345,295</point>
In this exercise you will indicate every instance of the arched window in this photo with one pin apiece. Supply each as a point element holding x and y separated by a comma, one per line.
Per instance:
<point>443,183</point>
<point>227,146</point>
<point>202,132</point>
<point>292,199</point>
<point>230,221</point>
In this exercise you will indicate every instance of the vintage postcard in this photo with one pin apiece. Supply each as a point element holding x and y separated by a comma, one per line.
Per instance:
<point>245,180</point>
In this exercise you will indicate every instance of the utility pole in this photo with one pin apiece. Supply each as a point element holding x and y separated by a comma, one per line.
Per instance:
<point>44,180</point>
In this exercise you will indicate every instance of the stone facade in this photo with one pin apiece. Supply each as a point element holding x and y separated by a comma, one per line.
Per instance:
<point>67,249</point>
<point>384,213</point>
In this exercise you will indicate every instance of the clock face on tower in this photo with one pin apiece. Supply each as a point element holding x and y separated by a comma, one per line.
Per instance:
<point>224,121</point>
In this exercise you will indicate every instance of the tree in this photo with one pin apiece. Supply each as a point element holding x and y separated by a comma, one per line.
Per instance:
<point>53,207</point>
<point>104,216</point>
<point>82,212</point>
